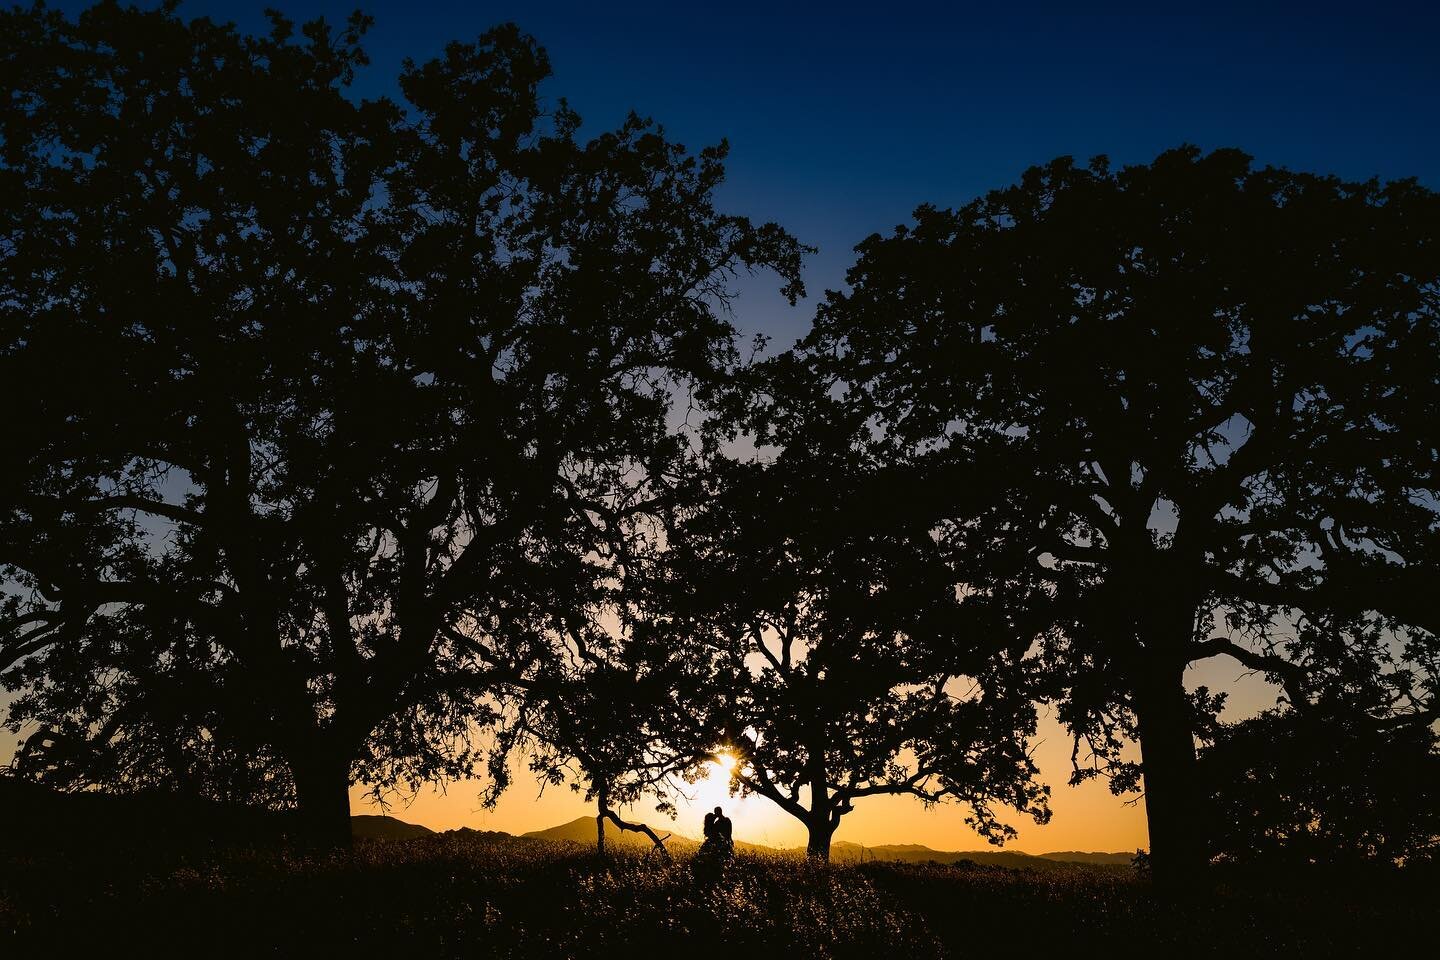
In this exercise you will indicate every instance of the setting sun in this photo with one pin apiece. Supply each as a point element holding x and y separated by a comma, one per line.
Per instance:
<point>724,763</point>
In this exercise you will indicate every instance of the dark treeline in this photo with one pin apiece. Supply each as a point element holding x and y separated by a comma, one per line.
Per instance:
<point>381,442</point>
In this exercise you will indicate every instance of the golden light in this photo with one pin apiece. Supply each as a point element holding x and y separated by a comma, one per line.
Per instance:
<point>725,762</point>
<point>755,819</point>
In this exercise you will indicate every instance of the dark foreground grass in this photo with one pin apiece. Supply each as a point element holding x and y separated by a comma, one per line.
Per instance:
<point>477,895</point>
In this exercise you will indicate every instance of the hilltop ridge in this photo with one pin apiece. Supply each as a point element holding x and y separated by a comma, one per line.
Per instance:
<point>582,831</point>
<point>90,817</point>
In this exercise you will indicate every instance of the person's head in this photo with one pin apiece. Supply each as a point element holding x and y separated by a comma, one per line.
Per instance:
<point>718,812</point>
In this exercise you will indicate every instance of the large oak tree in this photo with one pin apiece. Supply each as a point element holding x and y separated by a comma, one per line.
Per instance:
<point>1181,402</point>
<point>846,662</point>
<point>321,412</point>
<point>622,715</point>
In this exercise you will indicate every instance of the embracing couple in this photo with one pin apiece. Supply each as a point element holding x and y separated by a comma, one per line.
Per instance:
<point>718,839</point>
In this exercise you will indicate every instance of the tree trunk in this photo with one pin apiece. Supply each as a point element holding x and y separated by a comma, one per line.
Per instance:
<point>817,846</point>
<point>322,793</point>
<point>600,831</point>
<point>1174,806</point>
<point>819,824</point>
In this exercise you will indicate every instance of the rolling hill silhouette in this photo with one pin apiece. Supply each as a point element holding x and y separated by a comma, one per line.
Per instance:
<point>87,817</point>
<point>373,827</point>
<point>34,816</point>
<point>582,831</point>
<point>917,853</point>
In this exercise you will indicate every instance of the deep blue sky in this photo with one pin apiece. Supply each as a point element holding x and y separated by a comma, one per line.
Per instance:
<point>843,117</point>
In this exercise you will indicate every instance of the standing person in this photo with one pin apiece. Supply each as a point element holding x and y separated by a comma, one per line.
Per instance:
<point>715,852</point>
<point>723,829</point>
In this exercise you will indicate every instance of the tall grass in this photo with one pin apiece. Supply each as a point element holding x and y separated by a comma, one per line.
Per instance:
<point>489,895</point>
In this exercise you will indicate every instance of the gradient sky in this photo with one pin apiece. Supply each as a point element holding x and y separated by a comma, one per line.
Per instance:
<point>842,118</point>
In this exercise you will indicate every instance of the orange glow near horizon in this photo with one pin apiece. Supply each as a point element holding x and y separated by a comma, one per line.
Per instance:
<point>1086,818</point>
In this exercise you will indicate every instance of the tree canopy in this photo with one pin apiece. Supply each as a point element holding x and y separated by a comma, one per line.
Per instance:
<point>327,410</point>
<point>622,716</point>
<point>1301,787</point>
<point>847,664</point>
<point>1164,403</point>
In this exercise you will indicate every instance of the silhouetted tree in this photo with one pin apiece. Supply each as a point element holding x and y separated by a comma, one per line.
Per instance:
<point>324,409</point>
<point>848,665</point>
<point>1170,400</point>
<point>620,717</point>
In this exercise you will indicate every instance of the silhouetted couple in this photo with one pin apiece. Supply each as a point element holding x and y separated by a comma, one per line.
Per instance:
<point>719,843</point>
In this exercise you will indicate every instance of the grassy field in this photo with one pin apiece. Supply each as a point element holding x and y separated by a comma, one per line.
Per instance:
<point>481,895</point>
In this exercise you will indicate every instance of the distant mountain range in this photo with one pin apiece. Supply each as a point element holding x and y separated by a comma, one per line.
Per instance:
<point>582,831</point>
<point>41,817</point>
<point>373,827</point>
<point>916,853</point>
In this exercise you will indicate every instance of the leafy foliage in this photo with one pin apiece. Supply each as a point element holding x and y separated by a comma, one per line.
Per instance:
<point>848,666</point>
<point>622,717</point>
<point>1159,406</point>
<point>1301,788</point>
<point>328,410</point>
